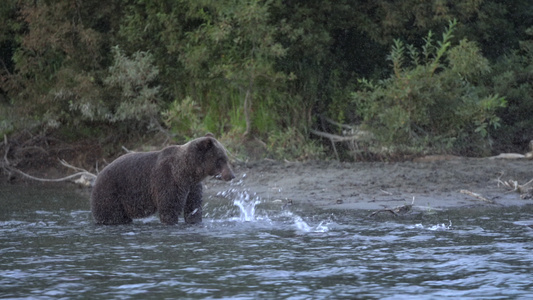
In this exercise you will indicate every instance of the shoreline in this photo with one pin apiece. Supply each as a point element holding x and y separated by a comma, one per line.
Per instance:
<point>449,182</point>
<point>436,185</point>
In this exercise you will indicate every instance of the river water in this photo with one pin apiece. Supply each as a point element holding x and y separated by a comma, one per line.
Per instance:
<point>250,248</point>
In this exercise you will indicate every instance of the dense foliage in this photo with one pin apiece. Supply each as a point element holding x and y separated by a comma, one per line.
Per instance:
<point>422,76</point>
<point>430,103</point>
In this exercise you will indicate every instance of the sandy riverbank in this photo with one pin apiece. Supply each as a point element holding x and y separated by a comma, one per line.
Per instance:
<point>434,184</point>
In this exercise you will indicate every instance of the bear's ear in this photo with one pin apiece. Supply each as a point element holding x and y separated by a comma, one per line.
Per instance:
<point>204,144</point>
<point>209,134</point>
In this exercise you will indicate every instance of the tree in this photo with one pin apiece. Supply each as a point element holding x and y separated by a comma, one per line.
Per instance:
<point>264,68</point>
<point>61,52</point>
<point>512,78</point>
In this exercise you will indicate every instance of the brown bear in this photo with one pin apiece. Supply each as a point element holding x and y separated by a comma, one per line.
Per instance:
<point>137,185</point>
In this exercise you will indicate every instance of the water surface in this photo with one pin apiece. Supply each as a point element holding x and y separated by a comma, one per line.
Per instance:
<point>248,249</point>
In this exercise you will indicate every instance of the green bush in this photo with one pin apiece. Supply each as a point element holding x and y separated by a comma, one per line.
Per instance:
<point>184,119</point>
<point>432,102</point>
<point>135,78</point>
<point>129,89</point>
<point>292,144</point>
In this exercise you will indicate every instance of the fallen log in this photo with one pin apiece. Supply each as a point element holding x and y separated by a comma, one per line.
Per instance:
<point>83,176</point>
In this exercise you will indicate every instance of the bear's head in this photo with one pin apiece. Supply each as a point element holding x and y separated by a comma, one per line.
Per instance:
<point>211,158</point>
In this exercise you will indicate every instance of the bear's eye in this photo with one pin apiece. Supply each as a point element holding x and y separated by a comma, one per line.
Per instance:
<point>220,162</point>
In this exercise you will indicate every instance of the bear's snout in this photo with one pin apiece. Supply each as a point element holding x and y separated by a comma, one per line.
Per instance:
<point>227,173</point>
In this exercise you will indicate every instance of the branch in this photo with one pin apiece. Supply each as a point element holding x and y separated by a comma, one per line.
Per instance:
<point>338,124</point>
<point>86,178</point>
<point>358,136</point>
<point>515,186</point>
<point>127,150</point>
<point>332,137</point>
<point>477,196</point>
<point>6,151</point>
<point>5,67</point>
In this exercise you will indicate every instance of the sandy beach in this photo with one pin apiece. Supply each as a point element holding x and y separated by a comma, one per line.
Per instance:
<point>432,183</point>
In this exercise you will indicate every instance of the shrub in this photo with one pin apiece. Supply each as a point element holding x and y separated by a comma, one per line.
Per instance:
<point>184,119</point>
<point>432,101</point>
<point>129,89</point>
<point>135,78</point>
<point>292,144</point>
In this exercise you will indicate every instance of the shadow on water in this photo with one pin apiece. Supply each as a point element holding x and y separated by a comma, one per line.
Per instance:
<point>248,248</point>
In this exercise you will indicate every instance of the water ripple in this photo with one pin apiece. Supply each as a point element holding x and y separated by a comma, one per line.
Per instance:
<point>274,251</point>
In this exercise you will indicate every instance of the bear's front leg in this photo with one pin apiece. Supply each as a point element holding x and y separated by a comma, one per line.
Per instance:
<point>170,205</point>
<point>193,205</point>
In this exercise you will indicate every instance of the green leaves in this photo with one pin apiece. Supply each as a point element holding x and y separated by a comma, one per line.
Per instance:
<point>133,74</point>
<point>134,77</point>
<point>235,45</point>
<point>427,102</point>
<point>397,57</point>
<point>183,117</point>
<point>129,87</point>
<point>466,60</point>
<point>443,46</point>
<point>260,67</point>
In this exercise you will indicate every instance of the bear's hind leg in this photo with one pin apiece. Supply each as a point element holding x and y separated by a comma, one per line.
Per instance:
<point>193,205</point>
<point>109,211</point>
<point>114,218</point>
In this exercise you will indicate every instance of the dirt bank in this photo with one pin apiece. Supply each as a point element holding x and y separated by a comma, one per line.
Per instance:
<point>434,184</point>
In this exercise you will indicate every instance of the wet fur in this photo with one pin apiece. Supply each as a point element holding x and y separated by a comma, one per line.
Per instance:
<point>138,185</point>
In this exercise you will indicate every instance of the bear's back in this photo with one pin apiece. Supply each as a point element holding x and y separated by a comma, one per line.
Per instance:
<point>129,169</point>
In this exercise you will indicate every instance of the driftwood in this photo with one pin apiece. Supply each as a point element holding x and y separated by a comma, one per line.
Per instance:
<point>350,134</point>
<point>396,211</point>
<point>528,155</point>
<point>83,176</point>
<point>525,191</point>
<point>476,196</point>
<point>515,186</point>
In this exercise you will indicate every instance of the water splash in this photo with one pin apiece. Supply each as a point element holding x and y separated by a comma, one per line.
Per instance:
<point>302,226</point>
<point>246,203</point>
<point>247,208</point>
<point>437,227</point>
